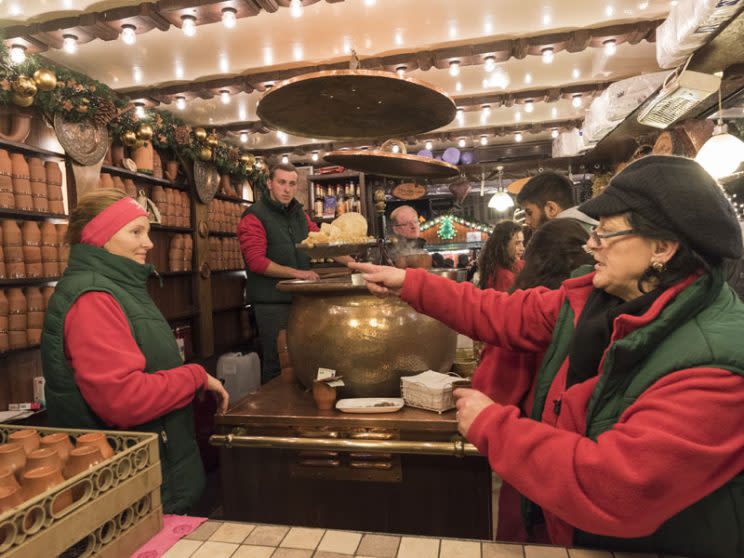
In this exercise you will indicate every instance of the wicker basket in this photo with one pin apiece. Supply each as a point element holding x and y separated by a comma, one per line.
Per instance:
<point>119,510</point>
<point>429,390</point>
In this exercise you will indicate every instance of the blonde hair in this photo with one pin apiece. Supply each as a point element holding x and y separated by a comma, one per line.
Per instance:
<point>88,206</point>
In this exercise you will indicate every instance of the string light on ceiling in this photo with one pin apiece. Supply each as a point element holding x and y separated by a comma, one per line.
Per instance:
<point>243,137</point>
<point>575,73</point>
<point>139,109</point>
<point>229,17</point>
<point>484,140</point>
<point>461,142</point>
<point>489,63</point>
<point>460,114</point>
<point>285,159</point>
<point>454,68</point>
<point>458,87</point>
<point>225,97</point>
<point>554,133</point>
<point>314,157</point>
<point>428,145</point>
<point>554,112</point>
<point>188,25</point>
<point>642,5</point>
<point>610,47</point>
<point>576,100</point>
<point>181,102</point>
<point>529,105</point>
<point>486,111</point>
<point>295,8</point>
<point>518,137</point>
<point>547,55</point>
<point>69,44</point>
<point>128,34</point>
<point>18,54</point>
<point>527,78</point>
<point>401,71</point>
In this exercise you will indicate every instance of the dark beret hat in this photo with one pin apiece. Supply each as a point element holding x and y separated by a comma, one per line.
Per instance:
<point>676,194</point>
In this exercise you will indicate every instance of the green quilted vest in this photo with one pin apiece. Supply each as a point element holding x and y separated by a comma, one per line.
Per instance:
<point>701,327</point>
<point>285,227</point>
<point>95,269</point>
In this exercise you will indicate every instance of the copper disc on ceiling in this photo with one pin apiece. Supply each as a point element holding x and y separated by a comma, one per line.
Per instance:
<point>398,165</point>
<point>354,104</point>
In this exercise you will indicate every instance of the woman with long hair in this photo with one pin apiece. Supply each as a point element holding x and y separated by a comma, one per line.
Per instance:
<point>501,257</point>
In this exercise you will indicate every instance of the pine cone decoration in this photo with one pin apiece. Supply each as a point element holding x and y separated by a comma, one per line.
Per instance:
<point>105,111</point>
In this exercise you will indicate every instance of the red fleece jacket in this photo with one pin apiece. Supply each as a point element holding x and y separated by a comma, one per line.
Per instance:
<point>109,366</point>
<point>681,440</point>
<point>252,237</point>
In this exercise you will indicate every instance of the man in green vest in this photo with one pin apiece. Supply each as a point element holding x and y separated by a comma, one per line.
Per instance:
<point>268,232</point>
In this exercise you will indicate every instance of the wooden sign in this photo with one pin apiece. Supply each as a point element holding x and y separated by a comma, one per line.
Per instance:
<point>409,191</point>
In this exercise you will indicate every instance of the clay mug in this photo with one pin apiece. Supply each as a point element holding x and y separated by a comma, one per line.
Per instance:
<point>13,458</point>
<point>97,439</point>
<point>171,170</point>
<point>60,442</point>
<point>81,459</point>
<point>43,457</point>
<point>105,181</point>
<point>39,480</point>
<point>28,439</point>
<point>324,395</point>
<point>10,497</point>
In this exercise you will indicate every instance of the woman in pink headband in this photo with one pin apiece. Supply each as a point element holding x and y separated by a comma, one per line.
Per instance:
<point>109,357</point>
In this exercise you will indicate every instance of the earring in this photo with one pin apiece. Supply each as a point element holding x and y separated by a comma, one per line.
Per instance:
<point>658,267</point>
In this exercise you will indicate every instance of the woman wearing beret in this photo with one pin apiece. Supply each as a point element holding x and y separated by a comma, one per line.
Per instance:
<point>110,359</point>
<point>635,441</point>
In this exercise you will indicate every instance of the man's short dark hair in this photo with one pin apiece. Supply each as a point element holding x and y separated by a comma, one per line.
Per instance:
<point>545,187</point>
<point>287,167</point>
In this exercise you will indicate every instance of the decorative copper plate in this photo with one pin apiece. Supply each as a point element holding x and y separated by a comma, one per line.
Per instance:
<point>85,142</point>
<point>207,180</point>
<point>353,104</point>
<point>339,249</point>
<point>399,165</point>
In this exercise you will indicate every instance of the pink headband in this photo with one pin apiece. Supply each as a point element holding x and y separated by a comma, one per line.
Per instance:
<point>108,222</point>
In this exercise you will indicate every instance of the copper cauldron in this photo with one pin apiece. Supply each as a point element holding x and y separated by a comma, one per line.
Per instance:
<point>369,341</point>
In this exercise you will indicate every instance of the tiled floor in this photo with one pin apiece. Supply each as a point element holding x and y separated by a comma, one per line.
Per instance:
<point>217,539</point>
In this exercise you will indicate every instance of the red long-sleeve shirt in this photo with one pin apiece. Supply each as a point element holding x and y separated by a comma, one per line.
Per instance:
<point>678,442</point>
<point>252,237</point>
<point>109,366</point>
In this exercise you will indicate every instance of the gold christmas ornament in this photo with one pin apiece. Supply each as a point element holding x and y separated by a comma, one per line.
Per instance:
<point>45,79</point>
<point>25,86</point>
<point>22,101</point>
<point>139,143</point>
<point>213,140</point>
<point>205,154</point>
<point>82,108</point>
<point>200,133</point>
<point>145,132</point>
<point>249,159</point>
<point>129,139</point>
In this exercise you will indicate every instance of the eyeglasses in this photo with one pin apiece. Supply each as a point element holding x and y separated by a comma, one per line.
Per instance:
<point>597,237</point>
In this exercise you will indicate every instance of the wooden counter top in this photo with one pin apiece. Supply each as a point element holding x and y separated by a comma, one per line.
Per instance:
<point>280,404</point>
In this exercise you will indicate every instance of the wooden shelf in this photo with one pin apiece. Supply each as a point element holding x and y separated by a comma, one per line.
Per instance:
<point>30,150</point>
<point>230,308</point>
<point>232,199</point>
<point>334,176</point>
<point>143,177</point>
<point>29,215</point>
<point>12,351</point>
<point>27,281</point>
<point>222,271</point>
<point>224,234</point>
<point>169,228</point>
<point>183,315</point>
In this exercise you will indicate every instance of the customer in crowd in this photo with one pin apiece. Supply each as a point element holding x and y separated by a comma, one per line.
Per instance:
<point>109,358</point>
<point>549,195</point>
<point>501,257</point>
<point>636,441</point>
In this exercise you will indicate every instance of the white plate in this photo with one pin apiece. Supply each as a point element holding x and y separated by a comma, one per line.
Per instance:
<point>370,405</point>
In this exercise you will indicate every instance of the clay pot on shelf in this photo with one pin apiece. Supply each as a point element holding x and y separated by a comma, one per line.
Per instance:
<point>3,322</point>
<point>43,457</point>
<point>105,181</point>
<point>49,268</point>
<point>98,440</point>
<point>31,233</point>
<point>157,165</point>
<point>143,158</point>
<point>27,438</point>
<point>324,395</point>
<point>57,207</point>
<point>24,202</point>
<point>53,173</point>
<point>17,319</point>
<point>60,442</point>
<point>6,181</point>
<point>117,155</point>
<point>12,458</point>
<point>63,249</point>
<point>38,185</point>
<point>21,174</point>
<point>130,188</point>
<point>39,480</point>
<point>118,183</point>
<point>35,315</point>
<point>54,188</point>
<point>47,293</point>
<point>171,170</point>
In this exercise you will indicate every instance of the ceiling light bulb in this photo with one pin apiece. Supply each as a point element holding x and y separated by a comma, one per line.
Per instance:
<point>458,86</point>
<point>295,8</point>
<point>180,102</point>
<point>396,148</point>
<point>489,63</point>
<point>139,110</point>
<point>722,154</point>
<point>285,159</point>
<point>547,55</point>
<point>518,137</point>
<point>461,142</point>
<point>501,201</point>
<point>229,17</point>
<point>370,2</point>
<point>529,105</point>
<point>243,137</point>
<point>401,71</point>
<point>225,97</point>
<point>188,25</point>
<point>643,5</point>
<point>460,113</point>
<point>428,145</point>
<point>673,3</point>
<point>528,78</point>
<point>454,68</point>
<point>518,116</point>
<point>128,34</point>
<point>576,100</point>
<point>554,112</point>
<point>18,54</point>
<point>610,11</point>
<point>610,47</point>
<point>69,44</point>
<point>576,73</point>
<point>554,133</point>
<point>484,140</point>
<point>314,156</point>
<point>486,110</point>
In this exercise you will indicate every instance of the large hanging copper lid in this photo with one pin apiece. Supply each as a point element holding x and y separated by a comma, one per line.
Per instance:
<point>355,104</point>
<point>385,162</point>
